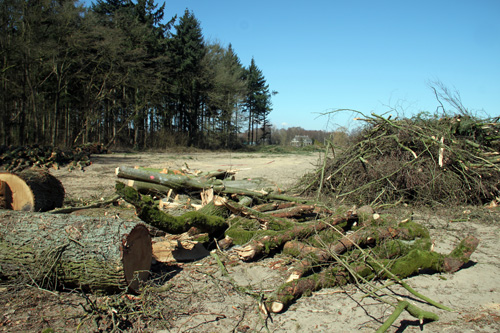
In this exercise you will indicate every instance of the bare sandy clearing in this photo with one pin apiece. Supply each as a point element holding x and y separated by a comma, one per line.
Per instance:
<point>98,179</point>
<point>202,300</point>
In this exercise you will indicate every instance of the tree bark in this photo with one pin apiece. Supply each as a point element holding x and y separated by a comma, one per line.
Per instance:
<point>414,262</point>
<point>96,254</point>
<point>32,190</point>
<point>149,213</point>
<point>185,183</point>
<point>294,212</point>
<point>370,236</point>
<point>270,242</point>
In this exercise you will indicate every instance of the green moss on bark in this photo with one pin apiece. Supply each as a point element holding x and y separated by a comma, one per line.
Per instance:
<point>149,213</point>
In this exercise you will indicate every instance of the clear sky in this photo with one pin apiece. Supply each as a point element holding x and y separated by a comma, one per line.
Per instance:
<point>371,56</point>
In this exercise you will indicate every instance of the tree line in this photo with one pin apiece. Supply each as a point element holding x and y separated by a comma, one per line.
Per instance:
<point>120,73</point>
<point>339,137</point>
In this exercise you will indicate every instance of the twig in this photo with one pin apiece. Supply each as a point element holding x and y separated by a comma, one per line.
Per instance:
<point>411,309</point>
<point>96,204</point>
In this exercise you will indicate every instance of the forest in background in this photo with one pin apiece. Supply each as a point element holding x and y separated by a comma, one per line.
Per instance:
<point>121,73</point>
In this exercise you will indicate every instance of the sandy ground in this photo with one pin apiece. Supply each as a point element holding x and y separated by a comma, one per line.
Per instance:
<point>205,301</point>
<point>98,180</point>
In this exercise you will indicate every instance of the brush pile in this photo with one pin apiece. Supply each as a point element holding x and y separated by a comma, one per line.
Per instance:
<point>419,160</point>
<point>18,158</point>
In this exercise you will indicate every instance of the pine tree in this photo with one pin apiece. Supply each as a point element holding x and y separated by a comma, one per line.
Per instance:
<point>186,50</point>
<point>116,74</point>
<point>226,88</point>
<point>257,102</point>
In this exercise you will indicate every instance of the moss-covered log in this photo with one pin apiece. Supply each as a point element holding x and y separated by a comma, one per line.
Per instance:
<point>415,261</point>
<point>386,240</point>
<point>267,241</point>
<point>51,251</point>
<point>149,213</point>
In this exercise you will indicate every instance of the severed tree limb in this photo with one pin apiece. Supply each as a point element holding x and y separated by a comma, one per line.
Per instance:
<point>451,263</point>
<point>294,211</point>
<point>149,213</point>
<point>146,187</point>
<point>272,206</point>
<point>173,181</point>
<point>183,182</point>
<point>364,237</point>
<point>415,311</point>
<point>416,261</point>
<point>269,242</point>
<point>96,204</point>
<point>274,223</point>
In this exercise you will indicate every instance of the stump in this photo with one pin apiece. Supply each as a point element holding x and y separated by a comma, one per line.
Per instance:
<point>31,190</point>
<point>53,251</point>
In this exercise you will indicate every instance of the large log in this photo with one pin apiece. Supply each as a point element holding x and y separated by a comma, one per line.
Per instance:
<point>179,182</point>
<point>52,251</point>
<point>31,190</point>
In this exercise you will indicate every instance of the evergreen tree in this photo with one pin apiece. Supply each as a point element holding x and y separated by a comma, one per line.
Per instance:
<point>186,50</point>
<point>116,74</point>
<point>257,102</point>
<point>141,63</point>
<point>11,52</point>
<point>226,89</point>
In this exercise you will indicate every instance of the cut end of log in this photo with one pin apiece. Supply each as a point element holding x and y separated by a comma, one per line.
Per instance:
<point>263,309</point>
<point>170,251</point>
<point>246,253</point>
<point>294,276</point>
<point>137,256</point>
<point>276,307</point>
<point>225,243</point>
<point>31,190</point>
<point>5,196</point>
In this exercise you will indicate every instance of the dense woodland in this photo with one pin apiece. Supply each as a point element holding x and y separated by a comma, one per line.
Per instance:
<point>123,73</point>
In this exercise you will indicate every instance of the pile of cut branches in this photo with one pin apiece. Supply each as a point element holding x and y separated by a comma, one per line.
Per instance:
<point>419,160</point>
<point>327,246</point>
<point>17,158</point>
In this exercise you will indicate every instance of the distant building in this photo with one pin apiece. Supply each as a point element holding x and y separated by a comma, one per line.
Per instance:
<point>301,141</point>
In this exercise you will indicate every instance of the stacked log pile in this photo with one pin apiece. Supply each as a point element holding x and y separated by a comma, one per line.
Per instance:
<point>18,158</point>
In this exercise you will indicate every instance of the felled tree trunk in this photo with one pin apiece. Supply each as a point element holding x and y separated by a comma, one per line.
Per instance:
<point>97,254</point>
<point>293,212</point>
<point>145,187</point>
<point>32,190</point>
<point>415,261</point>
<point>184,183</point>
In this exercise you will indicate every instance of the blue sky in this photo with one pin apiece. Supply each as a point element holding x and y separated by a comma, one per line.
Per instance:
<point>371,56</point>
